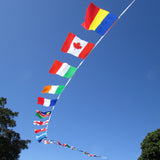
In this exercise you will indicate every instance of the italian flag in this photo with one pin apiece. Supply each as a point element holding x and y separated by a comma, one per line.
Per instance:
<point>46,102</point>
<point>53,89</point>
<point>76,46</point>
<point>62,69</point>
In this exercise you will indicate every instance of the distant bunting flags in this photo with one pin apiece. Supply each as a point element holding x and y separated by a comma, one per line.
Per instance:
<point>46,141</point>
<point>43,115</point>
<point>98,20</point>
<point>62,69</point>
<point>53,89</point>
<point>77,47</point>
<point>40,123</point>
<point>46,102</point>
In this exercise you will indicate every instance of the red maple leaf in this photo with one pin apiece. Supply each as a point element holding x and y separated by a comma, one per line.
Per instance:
<point>77,45</point>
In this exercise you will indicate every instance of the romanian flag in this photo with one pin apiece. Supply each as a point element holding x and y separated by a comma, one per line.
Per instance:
<point>43,115</point>
<point>55,89</point>
<point>40,130</point>
<point>62,69</point>
<point>41,137</point>
<point>46,102</point>
<point>40,123</point>
<point>98,20</point>
<point>76,46</point>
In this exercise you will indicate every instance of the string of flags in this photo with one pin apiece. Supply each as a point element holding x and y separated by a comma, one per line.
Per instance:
<point>98,20</point>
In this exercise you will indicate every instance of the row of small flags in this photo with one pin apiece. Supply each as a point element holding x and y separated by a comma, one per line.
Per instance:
<point>96,19</point>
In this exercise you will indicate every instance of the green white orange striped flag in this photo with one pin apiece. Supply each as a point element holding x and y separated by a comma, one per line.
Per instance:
<point>62,69</point>
<point>53,89</point>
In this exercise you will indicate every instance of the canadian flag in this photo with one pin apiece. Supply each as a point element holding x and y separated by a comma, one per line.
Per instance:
<point>76,46</point>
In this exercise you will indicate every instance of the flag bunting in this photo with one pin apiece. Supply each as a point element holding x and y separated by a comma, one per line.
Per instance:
<point>98,20</point>
<point>46,141</point>
<point>43,115</point>
<point>46,102</point>
<point>76,46</point>
<point>40,123</point>
<point>62,69</point>
<point>53,89</point>
<point>40,130</point>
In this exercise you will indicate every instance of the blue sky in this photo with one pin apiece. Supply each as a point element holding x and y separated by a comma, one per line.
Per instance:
<point>112,101</point>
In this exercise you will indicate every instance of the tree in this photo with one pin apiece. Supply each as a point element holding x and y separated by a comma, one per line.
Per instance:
<point>11,144</point>
<point>151,146</point>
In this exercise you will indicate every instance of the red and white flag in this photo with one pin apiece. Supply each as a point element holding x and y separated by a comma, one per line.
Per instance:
<point>40,123</point>
<point>40,130</point>
<point>76,46</point>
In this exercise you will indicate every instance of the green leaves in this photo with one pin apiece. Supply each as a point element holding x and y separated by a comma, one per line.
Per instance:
<point>11,144</point>
<point>151,146</point>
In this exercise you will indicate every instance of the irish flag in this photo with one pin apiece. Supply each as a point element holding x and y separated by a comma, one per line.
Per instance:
<point>98,20</point>
<point>53,89</point>
<point>62,69</point>
<point>46,102</point>
<point>76,46</point>
<point>43,115</point>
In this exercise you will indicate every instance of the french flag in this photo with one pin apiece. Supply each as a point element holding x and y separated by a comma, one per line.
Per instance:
<point>46,102</point>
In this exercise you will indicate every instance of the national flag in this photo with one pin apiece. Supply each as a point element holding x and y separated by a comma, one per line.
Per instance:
<point>48,141</point>
<point>40,130</point>
<point>53,89</point>
<point>96,156</point>
<point>98,20</point>
<point>68,146</point>
<point>64,144</point>
<point>59,143</point>
<point>86,153</point>
<point>62,69</point>
<point>43,115</point>
<point>41,137</point>
<point>76,46</point>
<point>91,155</point>
<point>40,123</point>
<point>46,102</point>
<point>73,148</point>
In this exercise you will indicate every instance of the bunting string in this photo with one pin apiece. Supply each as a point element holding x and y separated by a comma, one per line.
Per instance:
<point>65,145</point>
<point>81,49</point>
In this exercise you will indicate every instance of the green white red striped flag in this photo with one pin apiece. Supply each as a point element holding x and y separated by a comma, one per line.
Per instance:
<point>62,69</point>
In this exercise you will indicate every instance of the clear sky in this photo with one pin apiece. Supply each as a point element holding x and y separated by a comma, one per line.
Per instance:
<point>113,100</point>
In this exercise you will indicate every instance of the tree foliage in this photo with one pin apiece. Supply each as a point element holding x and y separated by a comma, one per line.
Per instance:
<point>11,144</point>
<point>151,146</point>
